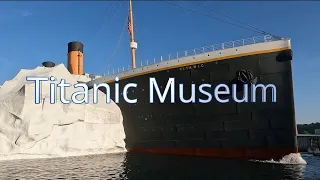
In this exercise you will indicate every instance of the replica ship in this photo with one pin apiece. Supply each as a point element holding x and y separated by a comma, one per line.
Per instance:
<point>252,130</point>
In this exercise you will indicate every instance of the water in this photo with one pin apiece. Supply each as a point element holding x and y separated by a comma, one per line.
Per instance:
<point>153,166</point>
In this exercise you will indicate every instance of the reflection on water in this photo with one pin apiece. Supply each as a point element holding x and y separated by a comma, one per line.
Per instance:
<point>151,166</point>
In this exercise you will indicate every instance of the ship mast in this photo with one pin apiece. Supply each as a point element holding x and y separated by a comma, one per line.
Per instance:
<point>133,45</point>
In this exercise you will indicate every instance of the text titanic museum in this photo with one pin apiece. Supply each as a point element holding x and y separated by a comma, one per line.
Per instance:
<point>220,93</point>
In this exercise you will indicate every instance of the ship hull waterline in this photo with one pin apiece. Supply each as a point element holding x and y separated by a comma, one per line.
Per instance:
<point>253,130</point>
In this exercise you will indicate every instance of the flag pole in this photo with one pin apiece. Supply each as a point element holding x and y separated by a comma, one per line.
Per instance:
<point>133,45</point>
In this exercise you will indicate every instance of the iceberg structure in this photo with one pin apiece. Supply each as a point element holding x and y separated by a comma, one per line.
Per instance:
<point>46,129</point>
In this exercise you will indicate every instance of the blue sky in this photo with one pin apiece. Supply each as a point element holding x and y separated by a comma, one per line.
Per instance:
<point>33,32</point>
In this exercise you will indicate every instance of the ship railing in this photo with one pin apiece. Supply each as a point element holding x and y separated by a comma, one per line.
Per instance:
<point>196,51</point>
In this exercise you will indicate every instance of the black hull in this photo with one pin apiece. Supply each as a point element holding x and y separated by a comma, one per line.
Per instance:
<point>260,130</point>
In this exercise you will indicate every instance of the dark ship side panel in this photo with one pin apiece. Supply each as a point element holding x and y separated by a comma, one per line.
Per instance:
<point>248,130</point>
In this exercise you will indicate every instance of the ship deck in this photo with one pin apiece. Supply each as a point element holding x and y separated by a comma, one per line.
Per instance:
<point>216,52</point>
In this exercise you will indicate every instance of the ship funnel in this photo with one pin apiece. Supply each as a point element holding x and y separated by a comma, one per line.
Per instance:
<point>48,64</point>
<point>75,57</point>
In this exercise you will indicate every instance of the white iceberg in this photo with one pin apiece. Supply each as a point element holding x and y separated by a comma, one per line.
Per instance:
<point>45,129</point>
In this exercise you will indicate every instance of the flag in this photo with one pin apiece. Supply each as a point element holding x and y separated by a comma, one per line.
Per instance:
<point>129,26</point>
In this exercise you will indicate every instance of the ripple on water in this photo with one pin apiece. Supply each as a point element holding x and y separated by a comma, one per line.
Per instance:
<point>152,166</point>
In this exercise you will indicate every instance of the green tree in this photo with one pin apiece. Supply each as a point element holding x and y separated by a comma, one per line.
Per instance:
<point>308,127</point>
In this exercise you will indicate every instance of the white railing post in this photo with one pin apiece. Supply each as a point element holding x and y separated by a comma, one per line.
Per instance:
<point>108,72</point>
<point>123,68</point>
<point>141,63</point>
<point>113,71</point>
<point>225,45</point>
<point>118,70</point>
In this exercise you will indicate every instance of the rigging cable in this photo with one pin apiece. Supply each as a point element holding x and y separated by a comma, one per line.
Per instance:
<point>231,18</point>
<point>112,11</point>
<point>109,9</point>
<point>117,47</point>
<point>137,34</point>
<point>264,33</point>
